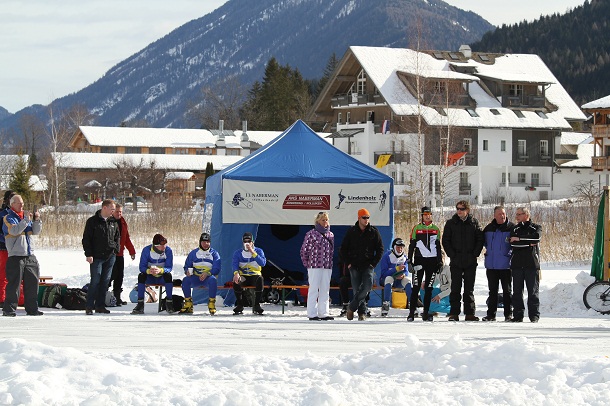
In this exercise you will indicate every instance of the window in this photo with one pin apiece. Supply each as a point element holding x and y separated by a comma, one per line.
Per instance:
<point>485,145</point>
<point>544,148</point>
<point>181,151</point>
<point>392,146</point>
<point>504,178</point>
<point>133,150</point>
<point>535,179</point>
<point>232,152</point>
<point>515,90</point>
<point>464,185</point>
<point>521,149</point>
<point>519,113</point>
<point>472,113</point>
<point>520,178</point>
<point>484,58</point>
<point>339,118</point>
<point>362,82</point>
<point>495,112</point>
<point>541,114</point>
<point>439,87</point>
<point>348,116</point>
<point>204,151</point>
<point>108,150</point>
<point>467,144</point>
<point>503,145</point>
<point>441,111</point>
<point>156,150</point>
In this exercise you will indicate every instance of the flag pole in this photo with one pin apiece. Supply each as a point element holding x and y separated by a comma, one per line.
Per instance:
<point>606,274</point>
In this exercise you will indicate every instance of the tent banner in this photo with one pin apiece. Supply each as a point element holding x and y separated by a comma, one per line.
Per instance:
<point>246,202</point>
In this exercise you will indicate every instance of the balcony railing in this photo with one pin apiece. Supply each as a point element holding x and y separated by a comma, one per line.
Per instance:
<point>601,131</point>
<point>344,100</point>
<point>395,158</point>
<point>600,163</point>
<point>530,101</point>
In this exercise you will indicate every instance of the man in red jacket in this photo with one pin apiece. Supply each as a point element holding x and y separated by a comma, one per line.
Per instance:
<point>119,264</point>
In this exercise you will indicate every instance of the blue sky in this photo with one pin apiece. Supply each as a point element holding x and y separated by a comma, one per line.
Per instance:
<point>49,49</point>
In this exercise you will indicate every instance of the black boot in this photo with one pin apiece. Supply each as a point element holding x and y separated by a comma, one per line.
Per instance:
<point>257,309</point>
<point>169,306</point>
<point>139,309</point>
<point>117,295</point>
<point>239,308</point>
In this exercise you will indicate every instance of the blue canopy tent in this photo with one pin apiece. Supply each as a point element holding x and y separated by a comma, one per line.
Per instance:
<point>276,192</point>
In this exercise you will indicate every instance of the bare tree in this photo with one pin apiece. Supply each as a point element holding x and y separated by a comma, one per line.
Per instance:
<point>587,191</point>
<point>221,101</point>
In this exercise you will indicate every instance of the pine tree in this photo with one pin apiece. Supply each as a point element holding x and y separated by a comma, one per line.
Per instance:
<point>20,179</point>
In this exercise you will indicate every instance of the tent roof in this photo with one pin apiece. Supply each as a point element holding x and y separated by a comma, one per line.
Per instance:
<point>301,155</point>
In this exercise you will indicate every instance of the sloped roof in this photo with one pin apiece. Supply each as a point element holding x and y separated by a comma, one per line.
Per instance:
<point>82,160</point>
<point>168,137</point>
<point>179,175</point>
<point>383,64</point>
<point>603,103</point>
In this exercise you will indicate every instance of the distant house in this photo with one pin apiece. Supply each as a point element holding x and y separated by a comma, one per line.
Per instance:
<point>98,154</point>
<point>490,124</point>
<point>600,112</point>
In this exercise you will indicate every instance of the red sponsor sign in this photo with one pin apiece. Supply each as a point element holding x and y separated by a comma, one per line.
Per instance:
<point>307,202</point>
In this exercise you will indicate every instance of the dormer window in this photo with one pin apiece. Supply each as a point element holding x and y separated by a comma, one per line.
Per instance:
<point>515,90</point>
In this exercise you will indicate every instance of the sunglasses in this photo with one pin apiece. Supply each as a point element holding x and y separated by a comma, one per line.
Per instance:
<point>365,217</point>
<point>460,208</point>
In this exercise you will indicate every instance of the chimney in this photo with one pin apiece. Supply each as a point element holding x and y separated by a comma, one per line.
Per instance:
<point>466,51</point>
<point>221,125</point>
<point>244,131</point>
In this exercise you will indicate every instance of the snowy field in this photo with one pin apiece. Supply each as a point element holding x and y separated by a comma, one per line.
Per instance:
<point>67,358</point>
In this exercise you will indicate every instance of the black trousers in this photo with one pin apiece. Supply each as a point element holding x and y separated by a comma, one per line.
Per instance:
<point>252,280</point>
<point>468,275</point>
<point>495,277</point>
<point>426,274</point>
<point>531,279</point>
<point>24,268</point>
<point>118,273</point>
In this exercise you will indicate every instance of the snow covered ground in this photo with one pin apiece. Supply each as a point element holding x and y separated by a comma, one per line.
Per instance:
<point>67,358</point>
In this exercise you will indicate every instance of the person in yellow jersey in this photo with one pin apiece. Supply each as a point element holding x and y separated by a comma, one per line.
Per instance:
<point>248,263</point>
<point>201,267</point>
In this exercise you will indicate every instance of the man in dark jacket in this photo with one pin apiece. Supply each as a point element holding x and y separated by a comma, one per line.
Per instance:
<point>525,265</point>
<point>497,262</point>
<point>101,241</point>
<point>463,243</point>
<point>361,250</point>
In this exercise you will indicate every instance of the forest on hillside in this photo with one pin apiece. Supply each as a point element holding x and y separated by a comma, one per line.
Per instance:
<point>575,46</point>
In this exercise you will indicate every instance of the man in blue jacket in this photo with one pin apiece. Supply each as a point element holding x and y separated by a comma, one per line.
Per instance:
<point>248,263</point>
<point>18,227</point>
<point>201,267</point>
<point>497,262</point>
<point>156,263</point>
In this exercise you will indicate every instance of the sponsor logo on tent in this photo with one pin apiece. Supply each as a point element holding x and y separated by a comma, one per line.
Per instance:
<point>307,202</point>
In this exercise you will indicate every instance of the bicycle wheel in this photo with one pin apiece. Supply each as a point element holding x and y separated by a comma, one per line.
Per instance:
<point>597,297</point>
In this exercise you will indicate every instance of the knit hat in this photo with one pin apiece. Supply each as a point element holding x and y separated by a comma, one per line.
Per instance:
<point>363,212</point>
<point>425,209</point>
<point>158,239</point>
<point>247,237</point>
<point>8,194</point>
<point>398,241</point>
<point>205,237</point>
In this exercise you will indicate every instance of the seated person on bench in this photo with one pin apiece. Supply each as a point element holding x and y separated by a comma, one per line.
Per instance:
<point>248,262</point>
<point>204,262</point>
<point>156,263</point>
<point>394,273</point>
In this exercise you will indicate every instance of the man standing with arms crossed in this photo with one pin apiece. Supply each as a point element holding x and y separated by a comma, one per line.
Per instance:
<point>361,250</point>
<point>525,266</point>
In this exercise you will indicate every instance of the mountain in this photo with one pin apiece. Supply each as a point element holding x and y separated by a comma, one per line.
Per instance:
<point>575,46</point>
<point>240,37</point>
<point>4,113</point>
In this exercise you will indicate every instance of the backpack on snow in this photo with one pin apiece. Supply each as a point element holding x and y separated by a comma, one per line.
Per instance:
<point>177,303</point>
<point>52,296</point>
<point>74,299</point>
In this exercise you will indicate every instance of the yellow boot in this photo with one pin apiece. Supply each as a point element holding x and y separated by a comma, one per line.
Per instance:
<point>187,307</point>
<point>211,306</point>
